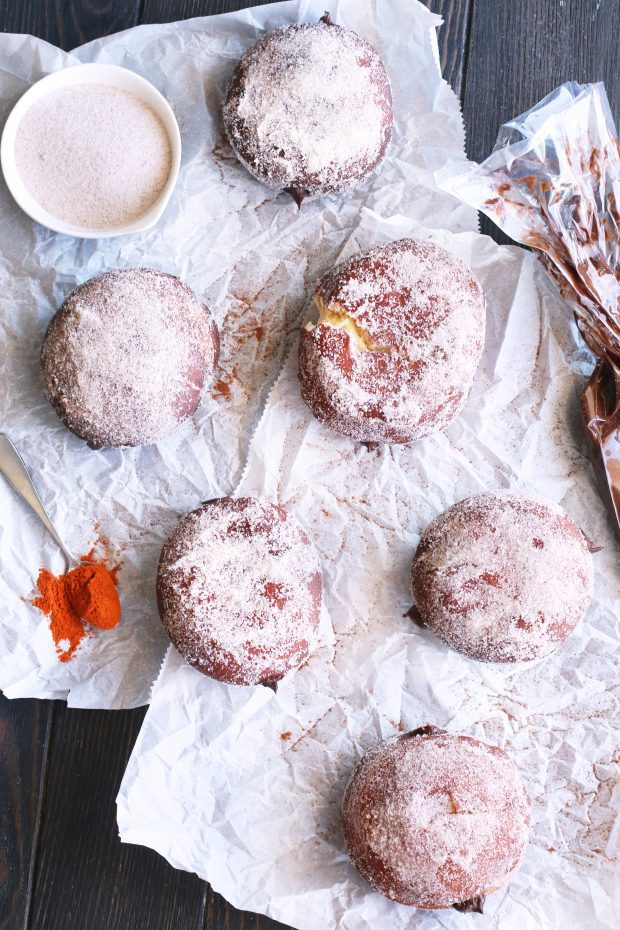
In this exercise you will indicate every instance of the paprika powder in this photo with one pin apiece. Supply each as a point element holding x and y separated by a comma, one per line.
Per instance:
<point>84,596</point>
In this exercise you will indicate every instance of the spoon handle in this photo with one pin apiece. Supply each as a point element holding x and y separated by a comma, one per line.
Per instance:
<point>14,470</point>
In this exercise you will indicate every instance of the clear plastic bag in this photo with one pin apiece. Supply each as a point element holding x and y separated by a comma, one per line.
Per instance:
<point>553,183</point>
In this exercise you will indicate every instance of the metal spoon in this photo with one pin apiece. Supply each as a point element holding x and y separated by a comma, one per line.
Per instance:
<point>14,470</point>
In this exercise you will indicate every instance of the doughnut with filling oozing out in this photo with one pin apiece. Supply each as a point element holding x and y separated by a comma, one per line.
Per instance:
<point>397,343</point>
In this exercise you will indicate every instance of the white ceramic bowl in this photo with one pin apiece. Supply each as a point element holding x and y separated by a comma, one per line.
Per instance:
<point>70,77</point>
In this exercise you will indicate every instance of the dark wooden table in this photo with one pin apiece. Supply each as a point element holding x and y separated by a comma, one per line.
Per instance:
<point>62,866</point>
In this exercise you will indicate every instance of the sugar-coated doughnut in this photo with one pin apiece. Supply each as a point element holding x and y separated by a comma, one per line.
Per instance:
<point>309,109</point>
<point>434,820</point>
<point>397,343</point>
<point>126,356</point>
<point>239,591</point>
<point>501,577</point>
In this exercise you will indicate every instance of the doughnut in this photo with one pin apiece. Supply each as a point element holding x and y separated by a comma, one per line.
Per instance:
<point>125,357</point>
<point>397,343</point>
<point>309,109</point>
<point>435,820</point>
<point>239,591</point>
<point>501,577</point>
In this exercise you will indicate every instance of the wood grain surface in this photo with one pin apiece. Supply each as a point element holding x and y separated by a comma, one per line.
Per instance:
<point>68,23</point>
<point>519,52</point>
<point>62,866</point>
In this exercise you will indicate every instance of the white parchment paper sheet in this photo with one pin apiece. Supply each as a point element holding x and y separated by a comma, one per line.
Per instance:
<point>249,253</point>
<point>244,787</point>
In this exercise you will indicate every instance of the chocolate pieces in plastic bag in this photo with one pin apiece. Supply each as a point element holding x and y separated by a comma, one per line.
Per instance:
<point>553,183</point>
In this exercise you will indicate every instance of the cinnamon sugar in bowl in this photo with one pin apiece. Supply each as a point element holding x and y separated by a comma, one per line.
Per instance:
<point>92,151</point>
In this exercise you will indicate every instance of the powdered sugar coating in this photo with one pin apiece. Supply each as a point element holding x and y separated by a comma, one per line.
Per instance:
<point>126,356</point>
<point>397,358</point>
<point>435,820</point>
<point>502,578</point>
<point>309,109</point>
<point>77,153</point>
<point>239,591</point>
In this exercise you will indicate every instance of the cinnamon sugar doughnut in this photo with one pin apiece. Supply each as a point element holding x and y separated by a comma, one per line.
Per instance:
<point>398,340</point>
<point>502,578</point>
<point>309,109</point>
<point>126,356</point>
<point>434,820</point>
<point>239,591</point>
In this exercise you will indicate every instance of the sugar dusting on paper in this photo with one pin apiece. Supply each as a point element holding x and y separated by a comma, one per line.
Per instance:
<point>287,760</point>
<point>249,254</point>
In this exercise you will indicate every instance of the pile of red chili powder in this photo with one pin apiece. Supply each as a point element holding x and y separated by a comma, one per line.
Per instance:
<point>85,596</point>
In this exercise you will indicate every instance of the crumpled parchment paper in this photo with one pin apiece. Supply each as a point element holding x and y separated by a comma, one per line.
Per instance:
<point>250,255</point>
<point>244,786</point>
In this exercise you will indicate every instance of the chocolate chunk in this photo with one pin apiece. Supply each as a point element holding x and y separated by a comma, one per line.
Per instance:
<point>429,729</point>
<point>601,416</point>
<point>414,614</point>
<point>297,194</point>
<point>592,547</point>
<point>327,19</point>
<point>475,905</point>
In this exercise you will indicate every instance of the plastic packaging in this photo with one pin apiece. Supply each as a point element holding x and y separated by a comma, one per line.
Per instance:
<point>553,183</point>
